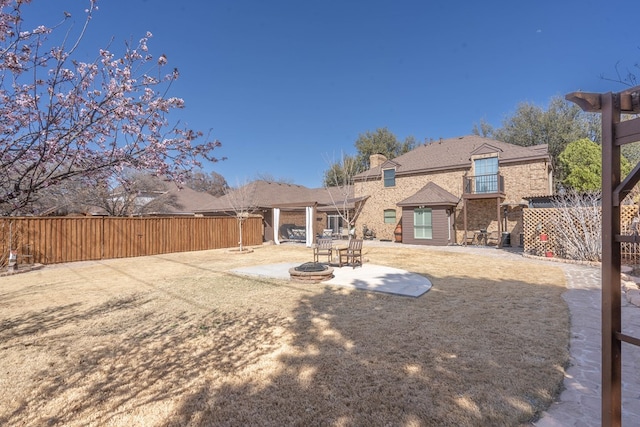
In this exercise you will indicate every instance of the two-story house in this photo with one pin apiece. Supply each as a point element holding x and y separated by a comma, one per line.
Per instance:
<point>447,191</point>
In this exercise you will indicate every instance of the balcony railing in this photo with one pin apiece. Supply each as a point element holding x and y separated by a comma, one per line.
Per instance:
<point>483,184</point>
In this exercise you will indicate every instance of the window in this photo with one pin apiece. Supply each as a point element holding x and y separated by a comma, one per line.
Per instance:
<point>422,226</point>
<point>486,175</point>
<point>389,177</point>
<point>334,222</point>
<point>389,216</point>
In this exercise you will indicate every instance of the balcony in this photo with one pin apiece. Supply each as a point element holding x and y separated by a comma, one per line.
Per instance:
<point>483,186</point>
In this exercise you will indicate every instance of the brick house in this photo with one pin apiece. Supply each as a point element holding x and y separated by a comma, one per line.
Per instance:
<point>282,205</point>
<point>448,191</point>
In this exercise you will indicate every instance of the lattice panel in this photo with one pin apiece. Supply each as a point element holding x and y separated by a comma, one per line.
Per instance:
<point>538,221</point>
<point>630,252</point>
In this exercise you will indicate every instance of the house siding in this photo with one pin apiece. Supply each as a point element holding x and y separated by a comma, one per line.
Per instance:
<point>439,222</point>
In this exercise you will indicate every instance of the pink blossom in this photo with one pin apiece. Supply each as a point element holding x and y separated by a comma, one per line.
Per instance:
<point>65,119</point>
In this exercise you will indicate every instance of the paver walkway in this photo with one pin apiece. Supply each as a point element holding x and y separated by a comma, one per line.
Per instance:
<point>579,403</point>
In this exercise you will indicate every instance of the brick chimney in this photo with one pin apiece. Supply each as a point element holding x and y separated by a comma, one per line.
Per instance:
<point>376,160</point>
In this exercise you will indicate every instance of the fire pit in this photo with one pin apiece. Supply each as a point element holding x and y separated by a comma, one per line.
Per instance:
<point>311,272</point>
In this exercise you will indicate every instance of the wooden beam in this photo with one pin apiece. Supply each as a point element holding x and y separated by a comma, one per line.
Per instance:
<point>464,216</point>
<point>630,100</point>
<point>628,339</point>
<point>499,209</point>
<point>627,132</point>
<point>626,185</point>
<point>589,102</point>
<point>628,238</point>
<point>611,310</point>
<point>627,101</point>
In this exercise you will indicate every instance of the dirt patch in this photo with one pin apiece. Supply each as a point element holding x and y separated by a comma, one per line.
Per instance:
<point>176,339</point>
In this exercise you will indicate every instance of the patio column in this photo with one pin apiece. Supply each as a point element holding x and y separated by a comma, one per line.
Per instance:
<point>309,225</point>
<point>276,226</point>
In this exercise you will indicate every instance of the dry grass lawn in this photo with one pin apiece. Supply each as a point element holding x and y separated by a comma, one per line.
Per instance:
<point>176,340</point>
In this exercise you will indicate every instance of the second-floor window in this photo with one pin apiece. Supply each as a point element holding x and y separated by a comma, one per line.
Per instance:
<point>389,177</point>
<point>486,175</point>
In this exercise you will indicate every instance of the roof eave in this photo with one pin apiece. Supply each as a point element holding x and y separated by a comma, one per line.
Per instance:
<point>442,203</point>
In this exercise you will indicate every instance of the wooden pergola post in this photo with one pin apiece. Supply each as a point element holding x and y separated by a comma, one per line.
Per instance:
<point>499,216</point>
<point>611,263</point>
<point>614,134</point>
<point>464,216</point>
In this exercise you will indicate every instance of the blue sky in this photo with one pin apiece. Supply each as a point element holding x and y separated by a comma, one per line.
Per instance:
<point>288,85</point>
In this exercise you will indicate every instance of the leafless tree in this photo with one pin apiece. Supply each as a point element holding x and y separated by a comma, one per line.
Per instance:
<point>242,200</point>
<point>339,182</point>
<point>267,177</point>
<point>212,183</point>
<point>577,226</point>
<point>133,193</point>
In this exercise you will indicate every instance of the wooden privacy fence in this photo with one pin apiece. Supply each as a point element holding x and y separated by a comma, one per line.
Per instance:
<point>67,239</point>
<point>539,221</point>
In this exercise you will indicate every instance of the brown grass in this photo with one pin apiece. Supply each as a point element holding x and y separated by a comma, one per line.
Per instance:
<point>178,340</point>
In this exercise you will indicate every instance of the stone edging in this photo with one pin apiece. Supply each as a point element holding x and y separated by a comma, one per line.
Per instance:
<point>630,284</point>
<point>563,260</point>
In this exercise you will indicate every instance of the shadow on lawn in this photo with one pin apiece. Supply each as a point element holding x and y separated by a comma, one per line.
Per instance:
<point>140,358</point>
<point>353,358</point>
<point>373,359</point>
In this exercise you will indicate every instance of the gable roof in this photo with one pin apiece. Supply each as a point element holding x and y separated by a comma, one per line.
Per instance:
<point>486,149</point>
<point>455,153</point>
<point>430,195</point>
<point>388,164</point>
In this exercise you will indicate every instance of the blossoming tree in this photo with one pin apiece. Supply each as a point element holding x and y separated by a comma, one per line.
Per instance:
<point>64,119</point>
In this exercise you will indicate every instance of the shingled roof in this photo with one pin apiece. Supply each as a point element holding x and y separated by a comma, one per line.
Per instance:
<point>276,194</point>
<point>175,200</point>
<point>430,195</point>
<point>455,153</point>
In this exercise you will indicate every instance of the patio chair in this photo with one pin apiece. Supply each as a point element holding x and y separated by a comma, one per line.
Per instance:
<point>351,254</point>
<point>323,247</point>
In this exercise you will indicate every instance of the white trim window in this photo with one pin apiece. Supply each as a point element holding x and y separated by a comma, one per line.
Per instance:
<point>486,171</point>
<point>389,177</point>
<point>422,223</point>
<point>389,216</point>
